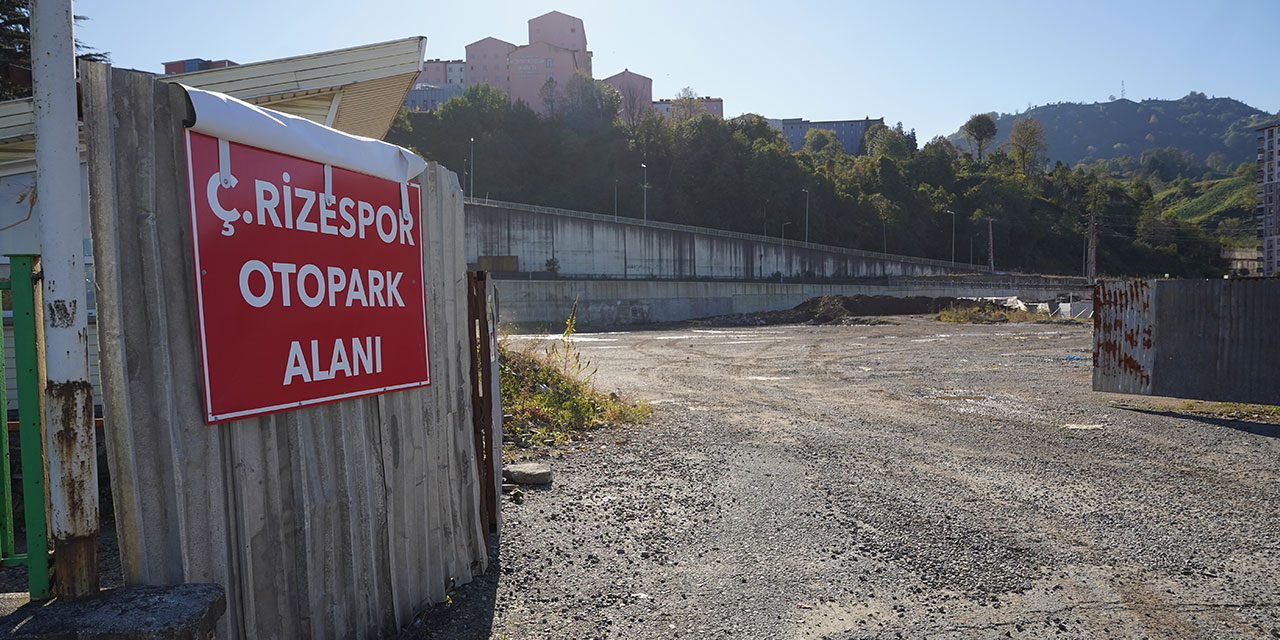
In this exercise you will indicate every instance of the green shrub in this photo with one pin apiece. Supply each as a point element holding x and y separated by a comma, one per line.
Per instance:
<point>548,393</point>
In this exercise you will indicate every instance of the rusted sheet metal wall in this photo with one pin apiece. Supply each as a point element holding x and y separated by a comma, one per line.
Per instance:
<point>1204,339</point>
<point>334,521</point>
<point>1123,354</point>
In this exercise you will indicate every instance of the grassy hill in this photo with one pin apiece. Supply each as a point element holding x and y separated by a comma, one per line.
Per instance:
<point>1215,200</point>
<point>1195,123</point>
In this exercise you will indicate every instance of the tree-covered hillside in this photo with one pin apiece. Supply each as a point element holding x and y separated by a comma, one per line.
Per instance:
<point>740,175</point>
<point>1219,132</point>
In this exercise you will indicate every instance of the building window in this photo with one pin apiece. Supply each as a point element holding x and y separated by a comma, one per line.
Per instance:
<point>550,63</point>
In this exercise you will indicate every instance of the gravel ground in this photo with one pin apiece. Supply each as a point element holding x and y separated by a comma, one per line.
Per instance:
<point>917,480</point>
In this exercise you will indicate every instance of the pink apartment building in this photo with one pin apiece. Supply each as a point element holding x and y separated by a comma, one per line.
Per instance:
<point>487,63</point>
<point>535,65</point>
<point>564,31</point>
<point>443,73</point>
<point>557,49</point>
<point>637,93</point>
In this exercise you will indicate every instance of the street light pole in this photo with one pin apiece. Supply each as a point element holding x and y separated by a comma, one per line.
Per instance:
<point>645,188</point>
<point>473,167</point>
<point>953,236</point>
<point>806,215</point>
<point>781,237</point>
<point>615,199</point>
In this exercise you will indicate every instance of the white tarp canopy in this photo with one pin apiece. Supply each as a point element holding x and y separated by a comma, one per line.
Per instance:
<point>221,116</point>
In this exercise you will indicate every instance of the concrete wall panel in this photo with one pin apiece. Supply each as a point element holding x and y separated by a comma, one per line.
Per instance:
<point>596,246</point>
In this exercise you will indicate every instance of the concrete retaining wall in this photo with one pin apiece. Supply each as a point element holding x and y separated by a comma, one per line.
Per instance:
<point>596,246</point>
<point>604,303</point>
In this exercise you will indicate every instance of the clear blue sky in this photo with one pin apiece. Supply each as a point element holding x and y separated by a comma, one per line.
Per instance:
<point>929,64</point>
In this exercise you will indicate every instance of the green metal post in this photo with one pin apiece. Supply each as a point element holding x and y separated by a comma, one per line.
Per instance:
<point>6,491</point>
<point>31,442</point>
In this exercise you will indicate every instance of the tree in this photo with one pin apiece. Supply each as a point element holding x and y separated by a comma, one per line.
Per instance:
<point>1027,144</point>
<point>687,105</point>
<point>890,141</point>
<point>822,145</point>
<point>15,49</point>
<point>633,103</point>
<point>980,129</point>
<point>548,95</point>
<point>586,105</point>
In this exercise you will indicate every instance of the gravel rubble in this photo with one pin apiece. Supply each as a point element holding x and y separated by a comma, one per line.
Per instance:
<point>918,480</point>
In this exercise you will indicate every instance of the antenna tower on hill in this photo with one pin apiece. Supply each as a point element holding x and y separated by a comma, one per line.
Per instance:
<point>1122,89</point>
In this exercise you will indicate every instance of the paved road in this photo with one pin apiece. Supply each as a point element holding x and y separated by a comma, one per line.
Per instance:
<point>917,480</point>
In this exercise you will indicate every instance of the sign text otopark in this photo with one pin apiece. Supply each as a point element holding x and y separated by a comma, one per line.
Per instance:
<point>309,280</point>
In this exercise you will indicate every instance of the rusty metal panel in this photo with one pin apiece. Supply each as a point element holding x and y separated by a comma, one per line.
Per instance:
<point>1203,339</point>
<point>1123,352</point>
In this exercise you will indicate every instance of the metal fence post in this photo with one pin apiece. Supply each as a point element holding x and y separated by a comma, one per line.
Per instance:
<point>6,491</point>
<point>30,440</point>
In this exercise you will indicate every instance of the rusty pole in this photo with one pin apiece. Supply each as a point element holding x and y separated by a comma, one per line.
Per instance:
<point>991,245</point>
<point>1093,247</point>
<point>68,398</point>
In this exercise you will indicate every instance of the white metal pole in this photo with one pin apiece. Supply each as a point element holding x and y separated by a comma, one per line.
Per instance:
<point>68,397</point>
<point>645,188</point>
<point>473,168</point>
<point>953,236</point>
<point>782,236</point>
<point>806,215</point>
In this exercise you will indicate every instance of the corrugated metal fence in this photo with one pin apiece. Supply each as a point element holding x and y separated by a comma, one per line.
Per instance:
<point>335,521</point>
<point>1204,339</point>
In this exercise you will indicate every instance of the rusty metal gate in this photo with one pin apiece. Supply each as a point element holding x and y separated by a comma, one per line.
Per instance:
<point>486,400</point>
<point>1203,339</point>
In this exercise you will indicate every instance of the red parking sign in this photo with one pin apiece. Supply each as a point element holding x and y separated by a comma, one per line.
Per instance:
<point>309,280</point>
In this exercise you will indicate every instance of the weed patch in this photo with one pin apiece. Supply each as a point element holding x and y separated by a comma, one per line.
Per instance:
<point>548,393</point>
<point>986,313</point>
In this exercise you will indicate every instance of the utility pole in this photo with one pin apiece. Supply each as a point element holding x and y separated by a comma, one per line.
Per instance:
<point>68,397</point>
<point>615,199</point>
<point>953,237</point>
<point>645,188</point>
<point>782,236</point>
<point>473,167</point>
<point>991,245</point>
<point>806,215</point>
<point>1093,247</point>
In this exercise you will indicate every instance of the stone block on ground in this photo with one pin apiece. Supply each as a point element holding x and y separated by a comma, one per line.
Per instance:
<point>176,612</point>
<point>527,473</point>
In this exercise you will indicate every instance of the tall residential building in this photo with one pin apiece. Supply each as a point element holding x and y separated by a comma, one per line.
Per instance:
<point>636,91</point>
<point>539,73</point>
<point>443,73</point>
<point>487,63</point>
<point>713,106</point>
<point>564,31</point>
<point>536,72</point>
<point>1268,194</point>
<point>849,132</point>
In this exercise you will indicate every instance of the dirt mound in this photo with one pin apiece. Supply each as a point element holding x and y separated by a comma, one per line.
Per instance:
<point>844,310</point>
